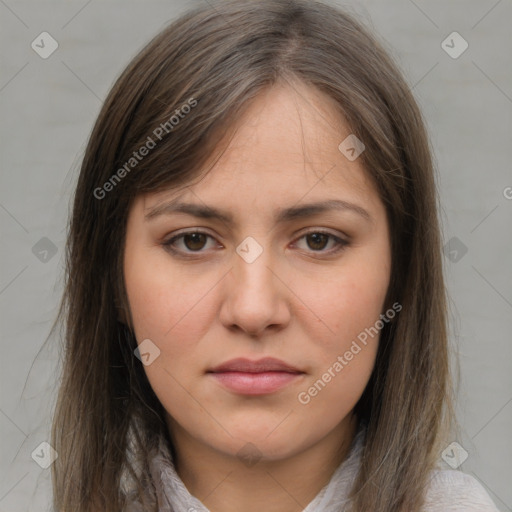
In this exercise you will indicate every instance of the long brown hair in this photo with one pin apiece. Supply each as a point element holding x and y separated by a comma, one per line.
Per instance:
<point>221,56</point>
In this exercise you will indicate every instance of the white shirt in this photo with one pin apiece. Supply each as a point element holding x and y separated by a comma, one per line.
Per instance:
<point>449,490</point>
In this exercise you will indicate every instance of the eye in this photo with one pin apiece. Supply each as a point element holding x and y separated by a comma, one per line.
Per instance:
<point>317,241</point>
<point>192,241</point>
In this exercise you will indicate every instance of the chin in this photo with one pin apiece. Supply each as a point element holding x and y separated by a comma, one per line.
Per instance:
<point>250,451</point>
<point>268,439</point>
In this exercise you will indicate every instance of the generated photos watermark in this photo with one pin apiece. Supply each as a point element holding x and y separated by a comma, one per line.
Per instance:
<point>137,156</point>
<point>342,361</point>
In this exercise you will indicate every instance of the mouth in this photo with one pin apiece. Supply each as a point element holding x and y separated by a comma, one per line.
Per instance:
<point>261,377</point>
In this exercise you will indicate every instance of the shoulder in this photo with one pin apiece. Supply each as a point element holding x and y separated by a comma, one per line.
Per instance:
<point>455,491</point>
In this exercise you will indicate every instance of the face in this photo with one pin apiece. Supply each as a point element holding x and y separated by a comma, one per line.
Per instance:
<point>270,277</point>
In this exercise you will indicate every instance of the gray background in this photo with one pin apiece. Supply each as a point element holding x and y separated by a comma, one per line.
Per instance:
<point>48,107</point>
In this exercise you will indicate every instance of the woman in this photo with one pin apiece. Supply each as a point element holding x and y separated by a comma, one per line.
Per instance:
<point>255,304</point>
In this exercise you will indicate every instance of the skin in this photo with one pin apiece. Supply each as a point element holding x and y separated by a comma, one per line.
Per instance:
<point>299,301</point>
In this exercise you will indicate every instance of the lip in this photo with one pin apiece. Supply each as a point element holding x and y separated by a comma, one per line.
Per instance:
<point>267,364</point>
<point>260,377</point>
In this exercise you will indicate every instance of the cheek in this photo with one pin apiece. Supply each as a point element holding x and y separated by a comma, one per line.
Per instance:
<point>344,304</point>
<point>172,308</point>
<point>344,335</point>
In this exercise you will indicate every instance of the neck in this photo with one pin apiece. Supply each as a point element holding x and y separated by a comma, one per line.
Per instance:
<point>224,483</point>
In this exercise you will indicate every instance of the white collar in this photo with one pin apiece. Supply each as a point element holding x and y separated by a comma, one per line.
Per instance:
<point>173,496</point>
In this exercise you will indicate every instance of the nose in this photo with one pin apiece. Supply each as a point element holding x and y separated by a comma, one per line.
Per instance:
<point>256,297</point>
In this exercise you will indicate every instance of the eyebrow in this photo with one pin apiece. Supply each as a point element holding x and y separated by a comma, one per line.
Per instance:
<point>283,215</point>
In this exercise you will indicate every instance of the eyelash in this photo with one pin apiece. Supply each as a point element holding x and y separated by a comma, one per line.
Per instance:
<point>168,245</point>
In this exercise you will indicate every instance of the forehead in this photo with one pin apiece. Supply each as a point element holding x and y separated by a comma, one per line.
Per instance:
<point>283,147</point>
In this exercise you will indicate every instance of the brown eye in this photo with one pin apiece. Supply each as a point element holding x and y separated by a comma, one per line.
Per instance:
<point>188,242</point>
<point>194,241</point>
<point>317,241</point>
<point>322,242</point>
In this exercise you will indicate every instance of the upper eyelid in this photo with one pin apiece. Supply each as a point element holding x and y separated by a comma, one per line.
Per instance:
<point>203,231</point>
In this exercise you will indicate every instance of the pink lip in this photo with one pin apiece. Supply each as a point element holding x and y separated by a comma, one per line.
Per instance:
<point>255,377</point>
